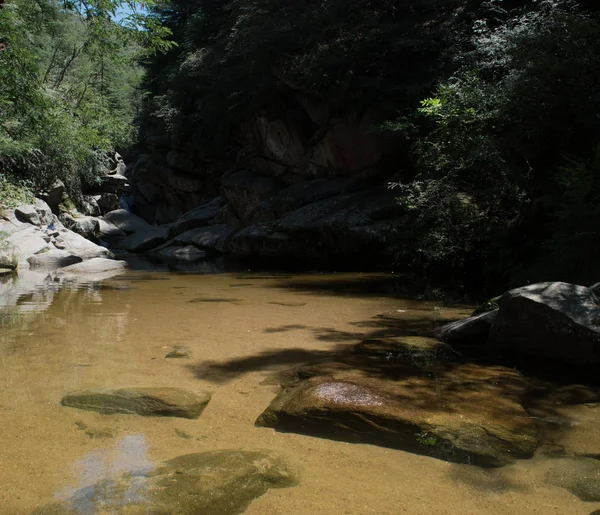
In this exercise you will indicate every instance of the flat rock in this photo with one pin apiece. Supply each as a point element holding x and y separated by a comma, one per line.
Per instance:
<point>126,221</point>
<point>53,259</point>
<point>414,400</point>
<point>223,482</point>
<point>580,476</point>
<point>146,239</point>
<point>552,320</point>
<point>96,266</point>
<point>149,402</point>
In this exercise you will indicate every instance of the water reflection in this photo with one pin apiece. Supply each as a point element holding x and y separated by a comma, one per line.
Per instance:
<point>129,456</point>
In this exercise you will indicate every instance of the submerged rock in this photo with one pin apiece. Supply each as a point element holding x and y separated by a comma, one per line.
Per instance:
<point>419,402</point>
<point>580,476</point>
<point>211,483</point>
<point>95,266</point>
<point>149,402</point>
<point>552,320</point>
<point>180,352</point>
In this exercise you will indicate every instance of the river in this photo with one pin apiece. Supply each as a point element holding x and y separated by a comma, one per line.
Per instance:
<point>240,329</point>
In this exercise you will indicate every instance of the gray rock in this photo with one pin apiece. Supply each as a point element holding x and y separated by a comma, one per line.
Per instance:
<point>149,402</point>
<point>53,259</point>
<point>146,239</point>
<point>197,217</point>
<point>27,242</point>
<point>108,230</point>
<point>107,202</point>
<point>54,195</point>
<point>77,245</point>
<point>472,331</point>
<point>580,476</point>
<point>112,183</point>
<point>212,239</point>
<point>126,221</point>
<point>95,266</point>
<point>86,226</point>
<point>553,320</point>
<point>596,289</point>
<point>223,482</point>
<point>90,205</point>
<point>28,214</point>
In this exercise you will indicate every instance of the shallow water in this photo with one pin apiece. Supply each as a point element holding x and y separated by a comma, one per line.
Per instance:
<point>241,329</point>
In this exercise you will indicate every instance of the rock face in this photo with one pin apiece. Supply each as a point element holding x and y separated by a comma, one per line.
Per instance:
<point>410,397</point>
<point>552,320</point>
<point>149,402</point>
<point>210,483</point>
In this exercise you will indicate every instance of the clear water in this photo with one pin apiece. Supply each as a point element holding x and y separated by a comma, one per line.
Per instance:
<point>58,337</point>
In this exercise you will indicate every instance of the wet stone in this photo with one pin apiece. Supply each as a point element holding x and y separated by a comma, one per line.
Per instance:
<point>180,352</point>
<point>418,402</point>
<point>149,402</point>
<point>580,476</point>
<point>210,483</point>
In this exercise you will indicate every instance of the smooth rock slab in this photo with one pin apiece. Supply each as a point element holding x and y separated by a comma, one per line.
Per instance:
<point>210,483</point>
<point>126,221</point>
<point>459,412</point>
<point>96,266</point>
<point>148,402</point>
<point>53,259</point>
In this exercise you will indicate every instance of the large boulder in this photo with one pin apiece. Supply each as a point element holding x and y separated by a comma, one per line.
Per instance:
<point>53,196</point>
<point>149,402</point>
<point>146,239</point>
<point>211,239</point>
<point>410,396</point>
<point>552,320</point>
<point>197,217</point>
<point>223,482</point>
<point>77,245</point>
<point>126,221</point>
<point>112,183</point>
<point>473,331</point>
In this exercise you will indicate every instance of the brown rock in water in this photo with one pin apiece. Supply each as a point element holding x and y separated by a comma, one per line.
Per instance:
<point>209,483</point>
<point>149,402</point>
<point>420,403</point>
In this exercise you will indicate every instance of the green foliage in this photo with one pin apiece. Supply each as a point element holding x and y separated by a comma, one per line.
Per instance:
<point>494,135</point>
<point>70,90</point>
<point>238,56</point>
<point>425,438</point>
